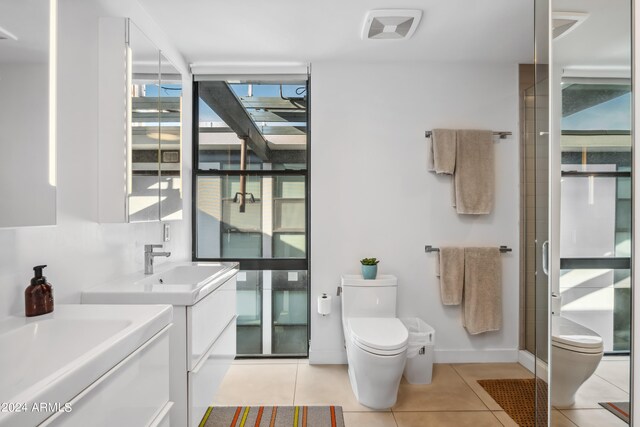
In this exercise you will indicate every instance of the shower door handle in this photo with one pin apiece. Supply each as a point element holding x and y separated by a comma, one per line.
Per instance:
<point>545,257</point>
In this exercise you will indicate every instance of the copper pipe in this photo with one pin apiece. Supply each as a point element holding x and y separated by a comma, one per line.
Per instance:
<point>243,178</point>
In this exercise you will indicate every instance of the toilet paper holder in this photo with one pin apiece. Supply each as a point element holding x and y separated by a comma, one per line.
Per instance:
<point>324,305</point>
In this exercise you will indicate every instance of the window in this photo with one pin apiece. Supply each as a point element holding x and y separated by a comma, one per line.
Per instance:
<point>251,204</point>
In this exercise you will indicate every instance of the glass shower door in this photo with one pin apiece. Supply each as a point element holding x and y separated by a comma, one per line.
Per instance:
<point>541,212</point>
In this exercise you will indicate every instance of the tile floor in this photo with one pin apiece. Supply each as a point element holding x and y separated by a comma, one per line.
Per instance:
<point>454,398</point>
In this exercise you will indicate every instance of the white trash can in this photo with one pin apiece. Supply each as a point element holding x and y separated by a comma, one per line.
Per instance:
<point>419,365</point>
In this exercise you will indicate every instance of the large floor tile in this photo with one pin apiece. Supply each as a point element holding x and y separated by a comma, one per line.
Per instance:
<point>595,390</point>
<point>447,419</point>
<point>369,419</point>
<point>593,418</point>
<point>557,419</point>
<point>447,392</point>
<point>472,372</point>
<point>326,385</point>
<point>505,419</point>
<point>262,384</point>
<point>616,372</point>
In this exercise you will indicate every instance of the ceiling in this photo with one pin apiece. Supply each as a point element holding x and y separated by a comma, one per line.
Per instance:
<point>602,40</point>
<point>230,32</point>
<point>28,20</point>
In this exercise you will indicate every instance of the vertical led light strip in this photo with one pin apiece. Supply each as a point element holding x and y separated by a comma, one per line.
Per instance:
<point>53,42</point>
<point>182,86</point>
<point>129,134</point>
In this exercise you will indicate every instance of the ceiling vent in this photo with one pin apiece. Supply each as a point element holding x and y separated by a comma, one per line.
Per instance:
<point>6,35</point>
<point>565,22</point>
<point>390,24</point>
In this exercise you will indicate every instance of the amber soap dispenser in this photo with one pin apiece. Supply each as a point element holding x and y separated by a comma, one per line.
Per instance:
<point>38,297</point>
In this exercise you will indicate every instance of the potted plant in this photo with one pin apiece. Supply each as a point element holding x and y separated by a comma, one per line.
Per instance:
<point>369,268</point>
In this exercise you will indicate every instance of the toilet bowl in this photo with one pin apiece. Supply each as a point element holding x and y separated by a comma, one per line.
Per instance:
<point>376,352</point>
<point>375,340</point>
<point>576,352</point>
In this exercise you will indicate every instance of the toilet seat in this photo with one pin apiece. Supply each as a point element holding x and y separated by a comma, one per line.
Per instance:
<point>571,336</point>
<point>385,336</point>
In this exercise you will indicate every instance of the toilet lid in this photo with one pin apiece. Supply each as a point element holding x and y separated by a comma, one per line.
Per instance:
<point>379,333</point>
<point>568,334</point>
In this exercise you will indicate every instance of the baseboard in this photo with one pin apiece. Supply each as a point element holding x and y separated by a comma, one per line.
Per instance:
<point>528,360</point>
<point>498,355</point>
<point>327,357</point>
<point>337,357</point>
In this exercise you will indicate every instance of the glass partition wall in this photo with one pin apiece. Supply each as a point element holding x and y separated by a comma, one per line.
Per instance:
<point>591,286</point>
<point>576,208</point>
<point>251,203</point>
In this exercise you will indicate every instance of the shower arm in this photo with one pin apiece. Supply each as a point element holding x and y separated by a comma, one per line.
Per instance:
<point>243,178</point>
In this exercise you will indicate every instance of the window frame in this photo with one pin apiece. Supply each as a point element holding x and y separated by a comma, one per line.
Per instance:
<point>256,263</point>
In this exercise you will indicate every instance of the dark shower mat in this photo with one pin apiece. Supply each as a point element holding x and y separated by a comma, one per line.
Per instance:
<point>517,398</point>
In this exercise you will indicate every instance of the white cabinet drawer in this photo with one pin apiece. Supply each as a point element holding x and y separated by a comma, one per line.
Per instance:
<point>133,393</point>
<point>205,379</point>
<point>207,319</point>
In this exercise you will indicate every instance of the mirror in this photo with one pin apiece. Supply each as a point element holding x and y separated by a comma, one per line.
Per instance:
<point>170,98</point>
<point>591,203</point>
<point>140,173</point>
<point>150,189</point>
<point>27,113</point>
<point>144,192</point>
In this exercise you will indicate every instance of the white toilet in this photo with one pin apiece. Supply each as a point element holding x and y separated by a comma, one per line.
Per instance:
<point>576,352</point>
<point>376,341</point>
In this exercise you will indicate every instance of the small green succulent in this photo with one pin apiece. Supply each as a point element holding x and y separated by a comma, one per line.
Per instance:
<point>369,261</point>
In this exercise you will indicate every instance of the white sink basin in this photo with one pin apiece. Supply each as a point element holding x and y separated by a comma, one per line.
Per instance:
<point>174,283</point>
<point>52,358</point>
<point>189,276</point>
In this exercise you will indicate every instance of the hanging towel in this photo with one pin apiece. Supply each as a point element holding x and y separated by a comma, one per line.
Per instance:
<point>474,172</point>
<point>442,151</point>
<point>482,302</point>
<point>451,274</point>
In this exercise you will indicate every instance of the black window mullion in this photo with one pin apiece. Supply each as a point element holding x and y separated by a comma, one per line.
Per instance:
<point>251,172</point>
<point>195,155</point>
<point>613,263</point>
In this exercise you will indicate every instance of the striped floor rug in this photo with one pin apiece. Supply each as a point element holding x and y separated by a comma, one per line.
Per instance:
<point>273,416</point>
<point>619,409</point>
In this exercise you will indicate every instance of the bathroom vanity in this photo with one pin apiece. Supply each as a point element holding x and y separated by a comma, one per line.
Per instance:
<point>101,366</point>
<point>203,339</point>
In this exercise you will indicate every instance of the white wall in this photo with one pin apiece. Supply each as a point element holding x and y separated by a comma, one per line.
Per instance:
<point>371,194</point>
<point>80,252</point>
<point>24,145</point>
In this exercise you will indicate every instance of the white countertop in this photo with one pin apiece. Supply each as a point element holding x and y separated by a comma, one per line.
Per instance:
<point>53,357</point>
<point>139,288</point>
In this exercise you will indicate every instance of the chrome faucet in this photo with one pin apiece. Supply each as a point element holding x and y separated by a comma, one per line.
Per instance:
<point>149,254</point>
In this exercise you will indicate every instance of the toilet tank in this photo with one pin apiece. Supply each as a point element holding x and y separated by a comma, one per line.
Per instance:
<point>369,298</point>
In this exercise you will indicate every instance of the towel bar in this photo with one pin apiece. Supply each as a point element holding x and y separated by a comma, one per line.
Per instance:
<point>501,134</point>
<point>429,248</point>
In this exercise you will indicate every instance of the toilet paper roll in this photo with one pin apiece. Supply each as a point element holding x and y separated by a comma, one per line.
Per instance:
<point>324,304</point>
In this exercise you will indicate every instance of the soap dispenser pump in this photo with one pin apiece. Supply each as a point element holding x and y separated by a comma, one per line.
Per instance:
<point>38,297</point>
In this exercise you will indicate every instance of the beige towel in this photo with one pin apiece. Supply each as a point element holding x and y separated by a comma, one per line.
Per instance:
<point>442,151</point>
<point>474,172</point>
<point>482,290</point>
<point>451,274</point>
